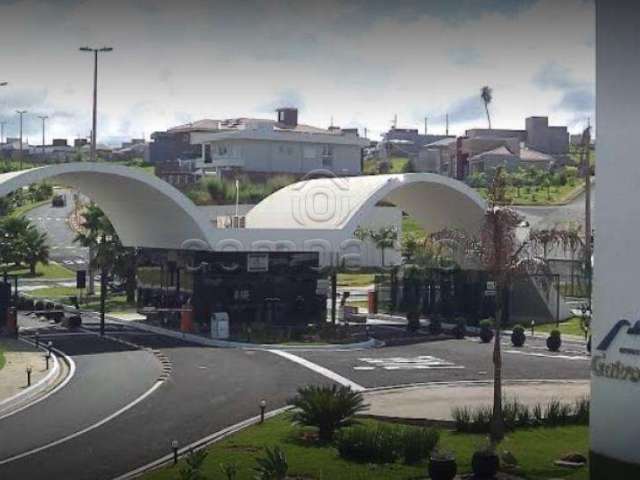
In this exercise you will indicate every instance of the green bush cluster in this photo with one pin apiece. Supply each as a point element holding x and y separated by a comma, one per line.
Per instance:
<point>386,443</point>
<point>518,415</point>
<point>218,191</point>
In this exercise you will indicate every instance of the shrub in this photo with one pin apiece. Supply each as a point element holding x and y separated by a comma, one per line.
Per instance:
<point>328,408</point>
<point>413,321</point>
<point>460,329</point>
<point>273,466</point>
<point>229,470</point>
<point>554,341</point>
<point>486,330</point>
<point>377,444</point>
<point>517,336</point>
<point>416,444</point>
<point>462,419</point>
<point>193,466</point>
<point>435,325</point>
<point>581,410</point>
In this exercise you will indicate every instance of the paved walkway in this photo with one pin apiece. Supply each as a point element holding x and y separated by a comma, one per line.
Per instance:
<point>13,377</point>
<point>435,402</point>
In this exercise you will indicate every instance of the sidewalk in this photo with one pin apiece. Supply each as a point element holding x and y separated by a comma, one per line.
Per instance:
<point>13,377</point>
<point>435,401</point>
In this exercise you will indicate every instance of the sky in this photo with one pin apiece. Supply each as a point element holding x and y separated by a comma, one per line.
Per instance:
<point>358,62</point>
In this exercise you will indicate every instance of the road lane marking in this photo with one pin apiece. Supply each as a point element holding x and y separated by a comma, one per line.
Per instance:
<point>320,370</point>
<point>546,355</point>
<point>422,362</point>
<point>85,430</point>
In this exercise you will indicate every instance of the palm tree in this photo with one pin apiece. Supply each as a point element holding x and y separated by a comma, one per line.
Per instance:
<point>35,249</point>
<point>487,96</point>
<point>92,227</point>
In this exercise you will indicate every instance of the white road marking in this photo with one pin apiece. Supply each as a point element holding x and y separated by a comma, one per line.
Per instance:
<point>319,369</point>
<point>87,429</point>
<point>548,355</point>
<point>423,362</point>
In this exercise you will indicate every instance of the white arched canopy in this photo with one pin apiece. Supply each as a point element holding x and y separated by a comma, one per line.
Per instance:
<point>144,210</point>
<point>434,201</point>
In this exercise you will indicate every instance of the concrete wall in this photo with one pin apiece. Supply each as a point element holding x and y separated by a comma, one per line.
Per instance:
<point>286,157</point>
<point>546,139</point>
<point>615,425</point>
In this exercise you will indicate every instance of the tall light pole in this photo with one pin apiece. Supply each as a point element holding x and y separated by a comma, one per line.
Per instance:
<point>95,52</point>
<point>44,119</point>
<point>21,113</point>
<point>2,84</point>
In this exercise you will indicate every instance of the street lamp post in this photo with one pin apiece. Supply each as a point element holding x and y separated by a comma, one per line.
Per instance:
<point>2,84</point>
<point>44,119</point>
<point>21,113</point>
<point>95,52</point>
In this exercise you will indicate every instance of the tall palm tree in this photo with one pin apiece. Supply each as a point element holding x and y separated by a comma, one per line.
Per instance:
<point>34,248</point>
<point>92,227</point>
<point>487,96</point>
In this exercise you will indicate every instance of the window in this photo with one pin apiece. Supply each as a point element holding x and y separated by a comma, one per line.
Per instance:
<point>327,150</point>
<point>309,152</point>
<point>223,150</point>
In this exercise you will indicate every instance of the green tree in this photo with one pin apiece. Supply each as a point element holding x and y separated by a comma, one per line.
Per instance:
<point>91,229</point>
<point>34,248</point>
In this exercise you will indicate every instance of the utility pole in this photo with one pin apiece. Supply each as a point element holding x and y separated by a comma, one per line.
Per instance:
<point>425,126</point>
<point>2,124</point>
<point>95,52</point>
<point>446,121</point>
<point>365,132</point>
<point>586,146</point>
<point>44,119</point>
<point>21,113</point>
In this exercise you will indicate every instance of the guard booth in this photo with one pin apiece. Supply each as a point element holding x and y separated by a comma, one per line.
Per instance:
<point>273,288</point>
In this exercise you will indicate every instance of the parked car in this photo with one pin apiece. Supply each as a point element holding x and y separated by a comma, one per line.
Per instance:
<point>59,201</point>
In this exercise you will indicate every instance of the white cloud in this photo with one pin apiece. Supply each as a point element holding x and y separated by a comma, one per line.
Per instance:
<point>177,60</point>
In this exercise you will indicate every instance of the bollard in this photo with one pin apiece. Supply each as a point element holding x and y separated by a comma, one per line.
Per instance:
<point>174,447</point>
<point>28,375</point>
<point>47,357</point>
<point>263,406</point>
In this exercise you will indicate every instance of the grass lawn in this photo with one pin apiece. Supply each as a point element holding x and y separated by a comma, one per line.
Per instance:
<point>2,359</point>
<point>355,279</point>
<point>52,270</point>
<point>535,449</point>
<point>568,327</point>
<point>539,195</point>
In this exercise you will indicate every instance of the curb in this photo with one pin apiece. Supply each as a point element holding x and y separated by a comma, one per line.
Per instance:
<point>9,405</point>
<point>471,383</point>
<point>208,342</point>
<point>200,444</point>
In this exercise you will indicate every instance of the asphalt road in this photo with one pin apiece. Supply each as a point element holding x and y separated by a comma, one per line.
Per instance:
<point>53,221</point>
<point>209,389</point>
<point>453,360</point>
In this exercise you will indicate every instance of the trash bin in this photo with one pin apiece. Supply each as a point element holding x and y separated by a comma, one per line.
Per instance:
<point>372,301</point>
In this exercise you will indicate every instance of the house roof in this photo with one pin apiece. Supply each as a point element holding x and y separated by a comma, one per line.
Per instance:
<point>445,142</point>
<point>501,150</point>
<point>531,155</point>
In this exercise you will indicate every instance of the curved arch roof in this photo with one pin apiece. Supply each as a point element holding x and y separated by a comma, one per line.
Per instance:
<point>144,210</point>
<point>434,201</point>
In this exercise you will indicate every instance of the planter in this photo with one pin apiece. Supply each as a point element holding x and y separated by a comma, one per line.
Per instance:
<point>413,322</point>
<point>442,468</point>
<point>554,343</point>
<point>486,335</point>
<point>518,338</point>
<point>459,331</point>
<point>485,464</point>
